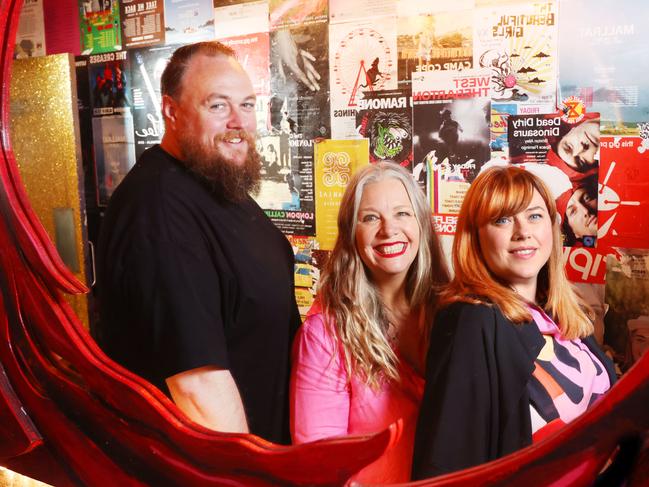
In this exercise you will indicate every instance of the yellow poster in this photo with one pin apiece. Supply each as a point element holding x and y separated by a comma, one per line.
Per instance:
<point>335,162</point>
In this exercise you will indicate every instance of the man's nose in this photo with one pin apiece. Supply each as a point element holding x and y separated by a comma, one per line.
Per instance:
<point>234,119</point>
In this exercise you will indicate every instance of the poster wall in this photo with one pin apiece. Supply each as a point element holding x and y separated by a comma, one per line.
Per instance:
<point>445,90</point>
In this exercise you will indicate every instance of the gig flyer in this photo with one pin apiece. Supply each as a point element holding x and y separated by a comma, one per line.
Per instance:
<point>363,59</point>
<point>100,26</point>
<point>148,63</point>
<point>110,83</point>
<point>443,41</point>
<point>385,118</point>
<point>566,156</point>
<point>300,81</point>
<point>451,117</point>
<point>309,262</point>
<point>30,37</point>
<point>240,19</point>
<point>624,193</point>
<point>253,53</point>
<point>280,183</point>
<point>518,45</point>
<point>346,11</point>
<point>114,152</point>
<point>336,162</point>
<point>290,13</point>
<point>297,215</point>
<point>606,72</point>
<point>143,22</point>
<point>188,21</point>
<point>627,295</point>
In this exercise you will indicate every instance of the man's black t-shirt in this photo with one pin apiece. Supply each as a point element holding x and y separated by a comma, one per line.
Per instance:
<point>187,280</point>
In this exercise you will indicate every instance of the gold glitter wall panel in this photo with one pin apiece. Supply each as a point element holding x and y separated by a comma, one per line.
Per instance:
<point>44,131</point>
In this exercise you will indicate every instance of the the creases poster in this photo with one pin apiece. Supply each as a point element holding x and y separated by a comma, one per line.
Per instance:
<point>112,123</point>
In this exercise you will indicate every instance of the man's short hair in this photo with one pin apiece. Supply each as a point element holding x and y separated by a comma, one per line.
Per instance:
<point>172,76</point>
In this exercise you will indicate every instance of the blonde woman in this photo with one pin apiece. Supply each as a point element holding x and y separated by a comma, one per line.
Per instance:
<point>358,357</point>
<point>512,356</point>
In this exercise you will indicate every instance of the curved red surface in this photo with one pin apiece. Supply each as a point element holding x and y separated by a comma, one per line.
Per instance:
<point>70,416</point>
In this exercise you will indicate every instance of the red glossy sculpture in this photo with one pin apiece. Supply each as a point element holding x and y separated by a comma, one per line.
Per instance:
<point>70,416</point>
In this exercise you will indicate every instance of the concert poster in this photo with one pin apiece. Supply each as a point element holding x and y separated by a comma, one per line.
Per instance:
<point>147,64</point>
<point>623,193</point>
<point>363,59</point>
<point>427,42</point>
<point>451,118</point>
<point>114,145</point>
<point>335,163</point>
<point>309,262</point>
<point>231,20</point>
<point>99,25</point>
<point>143,22</point>
<point>627,296</point>
<point>109,77</point>
<point>30,36</point>
<point>188,21</point>
<point>565,154</point>
<point>291,13</point>
<point>518,45</point>
<point>253,53</point>
<point>385,119</point>
<point>300,101</point>
<point>346,11</point>
<point>606,71</point>
<point>278,190</point>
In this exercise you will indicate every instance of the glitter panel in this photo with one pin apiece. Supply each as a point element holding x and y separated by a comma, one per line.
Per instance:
<point>45,136</point>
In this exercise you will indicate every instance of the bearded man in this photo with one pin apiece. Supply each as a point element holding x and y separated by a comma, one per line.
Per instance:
<point>195,282</point>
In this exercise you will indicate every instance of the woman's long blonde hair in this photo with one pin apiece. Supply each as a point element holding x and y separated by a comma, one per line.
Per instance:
<point>349,298</point>
<point>505,191</point>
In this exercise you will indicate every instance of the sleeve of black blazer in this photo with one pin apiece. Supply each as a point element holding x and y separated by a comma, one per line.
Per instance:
<point>475,406</point>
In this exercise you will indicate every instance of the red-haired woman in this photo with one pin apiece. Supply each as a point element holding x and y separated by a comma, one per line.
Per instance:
<point>511,352</point>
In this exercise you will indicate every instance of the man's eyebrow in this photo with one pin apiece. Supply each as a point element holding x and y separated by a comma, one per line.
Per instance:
<point>223,96</point>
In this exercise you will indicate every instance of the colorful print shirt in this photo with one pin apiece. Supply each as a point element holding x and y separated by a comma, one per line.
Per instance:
<point>567,378</point>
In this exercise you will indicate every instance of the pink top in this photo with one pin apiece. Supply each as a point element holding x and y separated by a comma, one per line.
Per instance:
<point>325,404</point>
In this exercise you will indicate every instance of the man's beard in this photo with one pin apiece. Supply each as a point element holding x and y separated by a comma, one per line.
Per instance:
<point>227,179</point>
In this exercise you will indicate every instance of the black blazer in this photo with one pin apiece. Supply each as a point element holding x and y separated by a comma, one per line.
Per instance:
<point>476,407</point>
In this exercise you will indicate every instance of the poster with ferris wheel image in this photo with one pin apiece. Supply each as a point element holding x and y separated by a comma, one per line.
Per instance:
<point>362,59</point>
<point>517,43</point>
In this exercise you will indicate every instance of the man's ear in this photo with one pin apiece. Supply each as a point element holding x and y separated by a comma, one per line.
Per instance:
<point>169,110</point>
